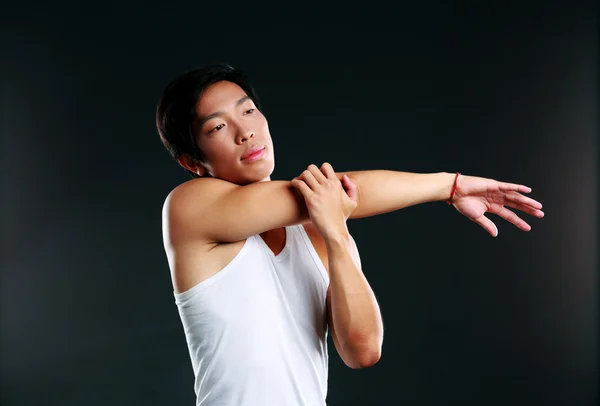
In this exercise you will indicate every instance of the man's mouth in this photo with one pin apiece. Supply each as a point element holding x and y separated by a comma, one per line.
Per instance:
<point>253,154</point>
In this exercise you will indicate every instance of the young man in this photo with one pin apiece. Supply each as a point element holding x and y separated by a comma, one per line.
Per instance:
<point>262,270</point>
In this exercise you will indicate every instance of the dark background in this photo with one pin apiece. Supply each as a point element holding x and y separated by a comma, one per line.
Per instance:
<point>87,311</point>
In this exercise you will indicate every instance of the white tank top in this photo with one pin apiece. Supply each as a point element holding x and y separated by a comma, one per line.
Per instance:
<point>257,330</point>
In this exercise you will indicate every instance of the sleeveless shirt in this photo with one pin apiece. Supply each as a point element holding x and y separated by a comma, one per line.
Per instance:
<point>257,330</point>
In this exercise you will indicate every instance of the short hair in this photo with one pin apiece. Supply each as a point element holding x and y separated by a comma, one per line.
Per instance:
<point>176,110</point>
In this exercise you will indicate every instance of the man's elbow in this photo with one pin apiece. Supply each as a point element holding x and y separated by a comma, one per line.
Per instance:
<point>367,360</point>
<point>365,356</point>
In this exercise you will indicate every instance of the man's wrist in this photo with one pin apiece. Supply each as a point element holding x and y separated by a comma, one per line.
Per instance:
<point>444,185</point>
<point>337,239</point>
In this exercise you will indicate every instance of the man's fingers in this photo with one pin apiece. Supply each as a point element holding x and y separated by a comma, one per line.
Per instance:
<point>327,169</point>
<point>525,209</point>
<point>512,217</point>
<point>318,175</point>
<point>513,187</point>
<point>487,225</point>
<point>348,183</point>
<point>350,188</point>
<point>520,199</point>
<point>308,177</point>
<point>301,186</point>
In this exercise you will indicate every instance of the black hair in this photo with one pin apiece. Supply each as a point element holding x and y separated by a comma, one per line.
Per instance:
<point>176,108</point>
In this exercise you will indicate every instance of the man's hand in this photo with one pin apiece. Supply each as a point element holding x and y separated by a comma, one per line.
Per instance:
<point>329,201</point>
<point>475,196</point>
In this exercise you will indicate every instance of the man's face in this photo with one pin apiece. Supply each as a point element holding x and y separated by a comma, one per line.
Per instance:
<point>228,126</point>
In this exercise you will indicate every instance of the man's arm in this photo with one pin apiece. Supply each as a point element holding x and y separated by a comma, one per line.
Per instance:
<point>354,317</point>
<point>353,313</point>
<point>215,210</point>
<point>383,191</point>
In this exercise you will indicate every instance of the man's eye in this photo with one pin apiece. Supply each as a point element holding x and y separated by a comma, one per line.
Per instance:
<point>250,111</point>
<point>217,128</point>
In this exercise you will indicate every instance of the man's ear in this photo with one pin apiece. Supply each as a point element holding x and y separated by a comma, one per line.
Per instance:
<point>191,165</point>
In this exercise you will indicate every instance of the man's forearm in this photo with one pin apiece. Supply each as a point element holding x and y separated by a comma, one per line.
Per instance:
<point>383,191</point>
<point>355,313</point>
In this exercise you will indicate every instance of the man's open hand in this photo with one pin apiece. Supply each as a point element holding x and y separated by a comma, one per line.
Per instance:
<point>475,196</point>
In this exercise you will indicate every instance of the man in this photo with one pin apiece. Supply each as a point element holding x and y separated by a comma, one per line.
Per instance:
<point>262,270</point>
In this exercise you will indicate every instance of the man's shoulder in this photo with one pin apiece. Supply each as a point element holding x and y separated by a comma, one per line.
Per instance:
<point>194,190</point>
<point>197,184</point>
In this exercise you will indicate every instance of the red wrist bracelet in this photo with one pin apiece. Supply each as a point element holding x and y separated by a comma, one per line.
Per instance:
<point>453,188</point>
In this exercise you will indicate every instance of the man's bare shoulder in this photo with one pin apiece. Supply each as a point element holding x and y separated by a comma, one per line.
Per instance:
<point>187,206</point>
<point>193,196</point>
<point>194,189</point>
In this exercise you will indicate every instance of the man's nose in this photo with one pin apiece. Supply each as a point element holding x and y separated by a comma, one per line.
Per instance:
<point>245,135</point>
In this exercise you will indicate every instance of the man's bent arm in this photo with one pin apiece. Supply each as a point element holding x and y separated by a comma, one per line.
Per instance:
<point>383,191</point>
<point>354,316</point>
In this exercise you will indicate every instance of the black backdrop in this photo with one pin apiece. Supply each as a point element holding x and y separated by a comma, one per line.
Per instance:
<point>87,311</point>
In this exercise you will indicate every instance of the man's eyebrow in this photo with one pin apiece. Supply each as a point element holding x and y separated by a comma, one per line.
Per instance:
<point>204,119</point>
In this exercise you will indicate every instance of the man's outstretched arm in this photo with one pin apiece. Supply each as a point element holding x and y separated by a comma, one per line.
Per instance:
<point>383,191</point>
<point>216,210</point>
<point>212,209</point>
